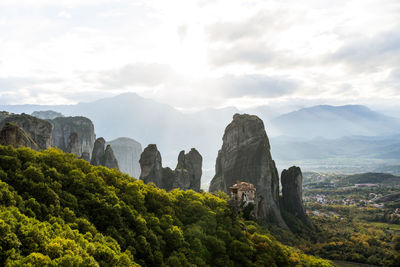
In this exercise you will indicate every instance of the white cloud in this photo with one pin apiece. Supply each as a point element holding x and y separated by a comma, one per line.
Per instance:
<point>200,53</point>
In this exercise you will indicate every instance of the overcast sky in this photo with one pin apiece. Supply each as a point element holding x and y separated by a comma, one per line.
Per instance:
<point>196,54</point>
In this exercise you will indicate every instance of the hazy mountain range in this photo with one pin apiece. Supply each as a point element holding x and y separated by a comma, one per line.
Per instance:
<point>313,133</point>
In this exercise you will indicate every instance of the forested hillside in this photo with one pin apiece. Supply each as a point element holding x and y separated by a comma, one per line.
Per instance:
<point>56,209</point>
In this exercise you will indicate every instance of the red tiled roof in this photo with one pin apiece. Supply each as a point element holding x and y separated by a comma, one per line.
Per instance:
<point>243,186</point>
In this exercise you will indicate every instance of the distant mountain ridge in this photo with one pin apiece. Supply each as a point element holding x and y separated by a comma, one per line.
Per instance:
<point>309,133</point>
<point>335,121</point>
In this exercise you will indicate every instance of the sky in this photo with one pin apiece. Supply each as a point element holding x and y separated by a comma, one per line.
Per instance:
<point>197,54</point>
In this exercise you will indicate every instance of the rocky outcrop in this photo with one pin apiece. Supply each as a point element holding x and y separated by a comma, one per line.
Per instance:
<point>63,127</point>
<point>98,152</point>
<point>245,156</point>
<point>103,157</point>
<point>73,144</point>
<point>187,174</point>
<point>292,194</point>
<point>191,162</point>
<point>127,151</point>
<point>38,130</point>
<point>12,134</point>
<point>151,166</point>
<point>109,159</point>
<point>47,115</point>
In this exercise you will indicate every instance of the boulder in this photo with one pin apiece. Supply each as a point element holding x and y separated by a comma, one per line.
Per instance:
<point>245,156</point>
<point>12,134</point>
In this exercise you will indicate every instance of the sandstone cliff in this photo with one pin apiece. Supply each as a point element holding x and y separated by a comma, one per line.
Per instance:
<point>80,128</point>
<point>38,130</point>
<point>187,174</point>
<point>245,156</point>
<point>12,134</point>
<point>292,194</point>
<point>127,151</point>
<point>191,162</point>
<point>109,159</point>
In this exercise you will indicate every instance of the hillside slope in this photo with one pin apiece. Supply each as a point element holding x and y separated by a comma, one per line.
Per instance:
<point>56,209</point>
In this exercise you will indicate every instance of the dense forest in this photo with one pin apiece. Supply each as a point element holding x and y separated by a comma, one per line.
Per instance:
<point>56,209</point>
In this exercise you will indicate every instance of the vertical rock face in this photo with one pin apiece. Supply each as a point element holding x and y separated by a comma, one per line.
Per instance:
<point>12,134</point>
<point>151,166</point>
<point>63,127</point>
<point>245,156</point>
<point>38,130</point>
<point>292,194</point>
<point>192,162</point>
<point>73,144</point>
<point>187,174</point>
<point>101,156</point>
<point>127,151</point>
<point>109,159</point>
<point>98,151</point>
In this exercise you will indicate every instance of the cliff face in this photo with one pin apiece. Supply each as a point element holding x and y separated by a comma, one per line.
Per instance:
<point>38,130</point>
<point>109,160</point>
<point>187,174</point>
<point>65,128</point>
<point>12,134</point>
<point>127,151</point>
<point>191,162</point>
<point>151,166</point>
<point>245,156</point>
<point>292,194</point>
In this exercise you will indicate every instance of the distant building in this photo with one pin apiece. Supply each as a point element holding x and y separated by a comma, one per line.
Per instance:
<point>242,191</point>
<point>366,185</point>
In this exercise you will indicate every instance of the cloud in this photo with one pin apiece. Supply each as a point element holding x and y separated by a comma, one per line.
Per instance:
<point>256,86</point>
<point>145,74</point>
<point>249,53</point>
<point>254,27</point>
<point>370,53</point>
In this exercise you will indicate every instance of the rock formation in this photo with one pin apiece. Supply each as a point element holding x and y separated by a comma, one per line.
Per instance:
<point>13,135</point>
<point>127,151</point>
<point>292,194</point>
<point>192,162</point>
<point>38,130</point>
<point>103,157</point>
<point>98,151</point>
<point>109,159</point>
<point>47,115</point>
<point>151,166</point>
<point>63,127</point>
<point>245,156</point>
<point>187,174</point>
<point>73,144</point>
